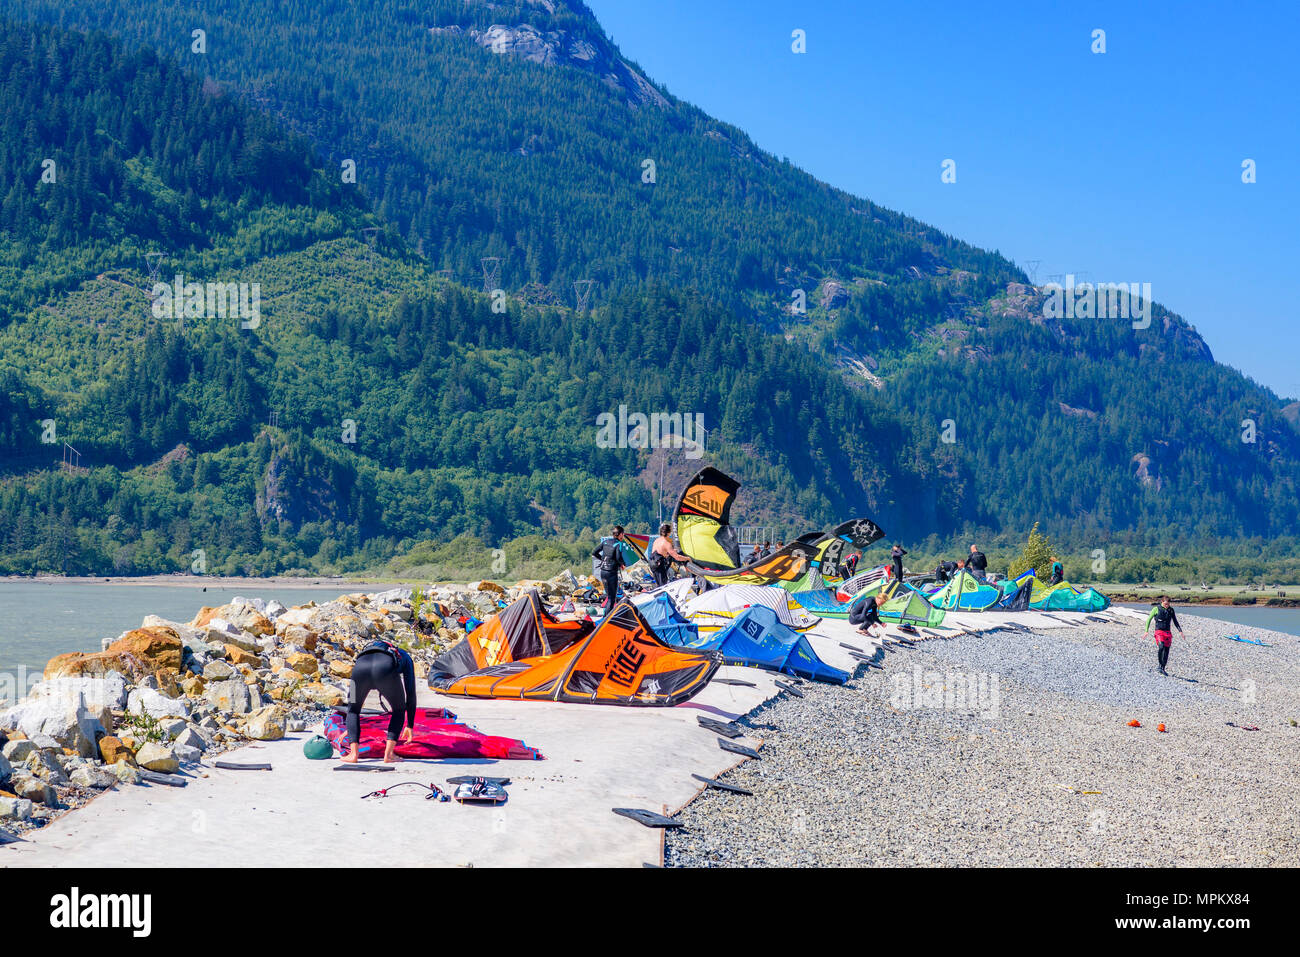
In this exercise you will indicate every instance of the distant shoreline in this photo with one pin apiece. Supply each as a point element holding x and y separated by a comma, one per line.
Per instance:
<point>202,581</point>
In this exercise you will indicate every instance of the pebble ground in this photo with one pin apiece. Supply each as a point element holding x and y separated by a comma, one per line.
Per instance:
<point>873,773</point>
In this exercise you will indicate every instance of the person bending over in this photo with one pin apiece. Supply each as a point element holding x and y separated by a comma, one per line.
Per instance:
<point>865,614</point>
<point>382,666</point>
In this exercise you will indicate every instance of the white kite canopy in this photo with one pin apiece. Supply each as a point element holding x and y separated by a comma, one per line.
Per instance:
<point>679,589</point>
<point>718,607</point>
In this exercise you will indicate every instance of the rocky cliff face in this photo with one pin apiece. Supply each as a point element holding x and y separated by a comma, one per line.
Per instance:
<point>529,31</point>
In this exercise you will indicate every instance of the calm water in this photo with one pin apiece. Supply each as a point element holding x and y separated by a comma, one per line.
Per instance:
<point>1275,619</point>
<point>39,620</point>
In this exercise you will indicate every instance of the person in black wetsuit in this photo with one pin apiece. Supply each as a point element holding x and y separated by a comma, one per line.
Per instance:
<point>1058,572</point>
<point>609,558</point>
<point>382,666</point>
<point>1165,617</point>
<point>977,564</point>
<point>896,558</point>
<point>851,565</point>
<point>944,571</point>
<point>864,613</point>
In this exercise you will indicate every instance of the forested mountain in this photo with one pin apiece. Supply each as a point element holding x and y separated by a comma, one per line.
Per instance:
<point>518,131</point>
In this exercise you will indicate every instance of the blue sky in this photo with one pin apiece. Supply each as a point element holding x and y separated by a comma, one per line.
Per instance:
<point>1125,165</point>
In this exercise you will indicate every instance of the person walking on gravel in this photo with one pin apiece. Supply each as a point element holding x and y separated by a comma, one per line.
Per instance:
<point>1165,617</point>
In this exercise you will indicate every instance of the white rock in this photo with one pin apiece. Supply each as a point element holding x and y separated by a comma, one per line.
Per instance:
<point>15,809</point>
<point>17,751</point>
<point>106,691</point>
<point>192,737</point>
<point>186,754</point>
<point>217,671</point>
<point>155,704</point>
<point>187,633</point>
<point>67,720</point>
<point>231,695</point>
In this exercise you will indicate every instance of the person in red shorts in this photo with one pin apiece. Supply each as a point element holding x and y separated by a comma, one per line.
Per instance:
<point>1164,617</point>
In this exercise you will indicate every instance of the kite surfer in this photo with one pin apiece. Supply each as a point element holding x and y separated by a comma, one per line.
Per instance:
<point>896,557</point>
<point>865,614</point>
<point>1164,616</point>
<point>977,564</point>
<point>662,555</point>
<point>609,558</point>
<point>1058,572</point>
<point>382,666</point>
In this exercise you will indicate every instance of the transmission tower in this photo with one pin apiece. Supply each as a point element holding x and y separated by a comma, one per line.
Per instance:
<point>491,273</point>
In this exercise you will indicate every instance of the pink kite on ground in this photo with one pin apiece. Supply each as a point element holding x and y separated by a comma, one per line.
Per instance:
<point>436,735</point>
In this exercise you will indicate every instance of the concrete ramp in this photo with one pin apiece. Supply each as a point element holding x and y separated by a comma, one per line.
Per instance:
<point>303,813</point>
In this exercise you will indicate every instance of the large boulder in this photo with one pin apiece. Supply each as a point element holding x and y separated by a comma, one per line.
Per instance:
<point>31,788</point>
<point>194,737</point>
<point>265,724</point>
<point>112,750</point>
<point>188,634</point>
<point>6,768</point>
<point>225,634</point>
<point>241,613</point>
<point>44,765</point>
<point>303,663</point>
<point>324,694</point>
<point>341,621</point>
<point>138,652</point>
<point>156,704</point>
<point>89,776</point>
<point>299,635</point>
<point>218,671</point>
<point>241,656</point>
<point>124,772</point>
<point>69,721</point>
<point>15,809</point>
<point>157,757</point>
<point>16,752</point>
<point>104,691</point>
<point>231,695</point>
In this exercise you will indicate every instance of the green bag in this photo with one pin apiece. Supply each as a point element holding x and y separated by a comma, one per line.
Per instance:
<point>317,748</point>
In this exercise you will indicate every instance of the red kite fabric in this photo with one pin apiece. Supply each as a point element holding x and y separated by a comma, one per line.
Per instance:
<point>436,735</point>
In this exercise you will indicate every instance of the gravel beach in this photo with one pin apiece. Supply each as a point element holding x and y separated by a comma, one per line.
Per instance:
<point>900,768</point>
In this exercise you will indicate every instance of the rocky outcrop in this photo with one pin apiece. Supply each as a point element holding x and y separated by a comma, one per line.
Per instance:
<point>589,51</point>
